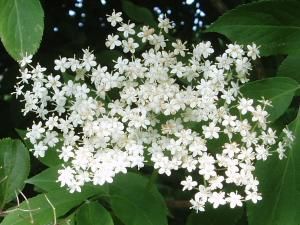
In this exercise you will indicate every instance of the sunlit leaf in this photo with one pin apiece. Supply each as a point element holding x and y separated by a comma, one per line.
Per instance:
<point>21,26</point>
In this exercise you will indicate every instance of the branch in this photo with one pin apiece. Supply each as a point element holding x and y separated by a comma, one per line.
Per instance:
<point>179,204</point>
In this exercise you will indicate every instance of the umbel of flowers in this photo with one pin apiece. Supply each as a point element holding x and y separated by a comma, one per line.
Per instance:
<point>168,106</point>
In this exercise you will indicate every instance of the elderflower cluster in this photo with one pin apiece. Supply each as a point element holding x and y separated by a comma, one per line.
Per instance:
<point>163,103</point>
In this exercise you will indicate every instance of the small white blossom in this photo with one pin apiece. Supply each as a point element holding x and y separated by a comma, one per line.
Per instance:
<point>203,49</point>
<point>146,34</point>
<point>253,196</point>
<point>234,200</point>
<point>88,60</point>
<point>114,18</point>
<point>217,199</point>
<point>211,131</point>
<point>235,51</point>
<point>188,183</point>
<point>62,64</point>
<point>179,47</point>
<point>245,105</point>
<point>127,29</point>
<point>112,41</point>
<point>165,24</point>
<point>27,59</point>
<point>66,153</point>
<point>129,45</point>
<point>253,51</point>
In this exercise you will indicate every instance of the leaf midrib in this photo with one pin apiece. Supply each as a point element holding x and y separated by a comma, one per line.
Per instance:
<point>19,27</point>
<point>284,93</point>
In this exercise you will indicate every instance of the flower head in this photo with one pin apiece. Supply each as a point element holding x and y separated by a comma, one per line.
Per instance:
<point>175,107</point>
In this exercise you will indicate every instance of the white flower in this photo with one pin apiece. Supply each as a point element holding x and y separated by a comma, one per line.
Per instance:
<point>25,75</point>
<point>127,29</point>
<point>165,24</point>
<point>114,18</point>
<point>229,120</point>
<point>39,149</point>
<point>61,64</point>
<point>262,152</point>
<point>158,41</point>
<point>88,60</point>
<point>224,62</point>
<point>281,150</point>
<point>27,59</point>
<point>52,122</point>
<point>253,196</point>
<point>216,182</point>
<point>74,64</point>
<point>19,90</point>
<point>51,138</point>
<point>66,176</point>
<point>66,153</point>
<point>179,47</point>
<point>234,200</point>
<point>242,66</point>
<point>35,133</point>
<point>245,105</point>
<point>235,51</point>
<point>53,82</point>
<point>269,137</point>
<point>259,114</point>
<point>289,135</point>
<point>203,49</point>
<point>146,34</point>
<point>231,149</point>
<point>112,41</point>
<point>188,183</point>
<point>253,51</point>
<point>103,175</point>
<point>206,166</point>
<point>129,45</point>
<point>197,205</point>
<point>211,131</point>
<point>217,198</point>
<point>178,69</point>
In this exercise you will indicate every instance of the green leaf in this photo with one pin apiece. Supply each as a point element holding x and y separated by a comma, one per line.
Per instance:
<point>51,157</point>
<point>220,216</point>
<point>138,13</point>
<point>290,67</point>
<point>39,210</point>
<point>21,26</point>
<point>14,169</point>
<point>92,213</point>
<point>274,25</point>
<point>280,187</point>
<point>136,202</point>
<point>280,90</point>
<point>46,180</point>
<point>146,203</point>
